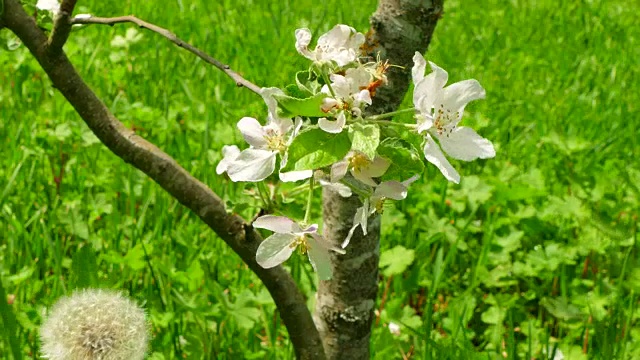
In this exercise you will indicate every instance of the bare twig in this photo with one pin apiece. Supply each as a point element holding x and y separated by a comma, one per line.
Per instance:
<point>165,171</point>
<point>61,26</point>
<point>240,81</point>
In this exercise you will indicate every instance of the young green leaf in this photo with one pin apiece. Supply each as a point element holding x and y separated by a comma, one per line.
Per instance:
<point>316,148</point>
<point>365,138</point>
<point>406,160</point>
<point>307,82</point>
<point>297,92</point>
<point>291,106</point>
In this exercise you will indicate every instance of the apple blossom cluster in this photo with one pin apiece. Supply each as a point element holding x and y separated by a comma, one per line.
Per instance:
<point>317,130</point>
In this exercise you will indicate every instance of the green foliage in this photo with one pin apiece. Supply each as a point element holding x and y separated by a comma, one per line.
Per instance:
<point>365,138</point>
<point>316,148</point>
<point>535,251</point>
<point>293,106</point>
<point>406,160</point>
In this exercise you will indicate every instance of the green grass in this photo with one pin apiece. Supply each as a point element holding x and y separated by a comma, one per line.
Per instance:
<point>535,250</point>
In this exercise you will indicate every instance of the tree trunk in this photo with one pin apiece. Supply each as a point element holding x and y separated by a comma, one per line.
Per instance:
<point>345,305</point>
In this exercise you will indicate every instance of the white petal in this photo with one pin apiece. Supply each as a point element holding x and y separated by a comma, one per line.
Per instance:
<point>363,96</point>
<point>367,180</point>
<point>341,44</point>
<point>341,189</point>
<point>457,96</point>
<point>293,176</point>
<point>303,39</point>
<point>392,189</point>
<point>347,240</point>
<point>434,155</point>
<point>83,16</point>
<point>252,132</point>
<point>337,36</point>
<point>339,170</point>
<point>419,67</point>
<point>438,76</point>
<point>49,5</point>
<point>296,128</point>
<point>424,123</point>
<point>465,144</point>
<point>328,103</point>
<point>252,165</point>
<point>275,249</point>
<point>311,229</point>
<point>319,258</point>
<point>341,86</point>
<point>358,77</point>
<point>376,168</point>
<point>428,91</point>
<point>359,219</point>
<point>410,180</point>
<point>267,96</point>
<point>333,127</point>
<point>229,154</point>
<point>278,224</point>
<point>344,57</point>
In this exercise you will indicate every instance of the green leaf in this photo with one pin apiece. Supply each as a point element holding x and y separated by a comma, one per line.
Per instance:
<point>562,309</point>
<point>494,315</point>
<point>291,106</point>
<point>396,260</point>
<point>316,148</point>
<point>365,138</point>
<point>244,310</point>
<point>135,257</point>
<point>406,160</point>
<point>297,92</point>
<point>306,81</point>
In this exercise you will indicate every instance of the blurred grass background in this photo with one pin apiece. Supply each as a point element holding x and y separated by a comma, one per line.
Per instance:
<point>533,255</point>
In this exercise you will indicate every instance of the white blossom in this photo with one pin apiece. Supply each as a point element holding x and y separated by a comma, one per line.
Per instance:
<point>361,167</point>
<point>297,175</point>
<point>394,328</point>
<point>334,126</point>
<point>229,154</point>
<point>341,45</point>
<point>440,110</point>
<point>395,190</point>
<point>259,161</point>
<point>351,91</point>
<point>325,181</point>
<point>288,235</point>
<point>49,5</point>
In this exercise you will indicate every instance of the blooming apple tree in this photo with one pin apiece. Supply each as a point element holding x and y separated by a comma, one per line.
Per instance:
<point>317,130</point>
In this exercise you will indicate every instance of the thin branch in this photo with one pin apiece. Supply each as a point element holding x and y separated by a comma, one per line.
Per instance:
<point>61,26</point>
<point>165,171</point>
<point>240,81</point>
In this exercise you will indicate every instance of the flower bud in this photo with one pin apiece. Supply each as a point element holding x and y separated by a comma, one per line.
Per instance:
<point>94,324</point>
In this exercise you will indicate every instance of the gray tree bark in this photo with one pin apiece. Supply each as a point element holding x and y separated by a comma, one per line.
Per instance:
<point>345,305</point>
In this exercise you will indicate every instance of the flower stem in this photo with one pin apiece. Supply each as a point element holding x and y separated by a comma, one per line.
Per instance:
<point>328,82</point>
<point>307,213</point>
<point>264,195</point>
<point>392,123</point>
<point>391,114</point>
